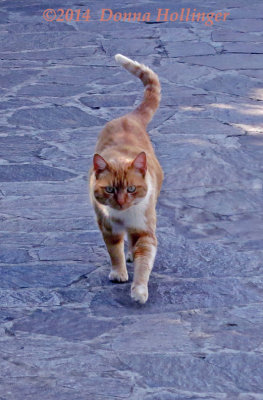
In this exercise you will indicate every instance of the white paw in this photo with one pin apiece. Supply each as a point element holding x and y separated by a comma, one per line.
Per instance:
<point>139,293</point>
<point>129,257</point>
<point>118,276</point>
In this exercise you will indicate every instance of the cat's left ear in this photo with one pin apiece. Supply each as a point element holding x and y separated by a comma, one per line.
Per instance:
<point>99,164</point>
<point>140,163</point>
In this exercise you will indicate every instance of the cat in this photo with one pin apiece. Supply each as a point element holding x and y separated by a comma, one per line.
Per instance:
<point>125,182</point>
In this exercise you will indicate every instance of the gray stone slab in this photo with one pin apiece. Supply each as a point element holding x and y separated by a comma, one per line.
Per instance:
<point>178,295</point>
<point>253,73</point>
<point>241,47</point>
<point>15,103</point>
<point>251,11</point>
<point>47,224</point>
<point>29,298</point>
<point>136,47</point>
<point>79,75</point>
<point>12,61</point>
<point>39,27</point>
<point>88,237</point>
<point>11,78</point>
<point>225,35</point>
<point>197,126</point>
<point>113,31</point>
<point>19,149</point>
<point>69,324</point>
<point>76,186</point>
<point>54,118</point>
<point>172,394</point>
<point>204,334</point>
<point>188,48</point>
<point>234,84</point>
<point>219,370</point>
<point>36,276</point>
<point>48,207</point>
<point>88,254</point>
<point>51,90</point>
<point>225,62</point>
<point>97,101</point>
<point>170,35</point>
<point>229,203</point>
<point>31,172</point>
<point>46,40</point>
<point>242,115</point>
<point>79,165</point>
<point>44,354</point>
<point>244,25</point>
<point>24,239</point>
<point>14,255</point>
<point>50,56</point>
<point>180,73</point>
<point>8,315</point>
<point>200,259</point>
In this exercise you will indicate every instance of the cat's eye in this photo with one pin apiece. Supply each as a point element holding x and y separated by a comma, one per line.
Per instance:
<point>131,189</point>
<point>109,189</point>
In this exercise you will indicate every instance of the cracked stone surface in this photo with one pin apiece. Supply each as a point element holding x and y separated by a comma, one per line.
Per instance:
<point>66,331</point>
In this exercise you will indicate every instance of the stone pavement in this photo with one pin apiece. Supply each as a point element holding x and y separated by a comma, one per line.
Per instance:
<point>66,332</point>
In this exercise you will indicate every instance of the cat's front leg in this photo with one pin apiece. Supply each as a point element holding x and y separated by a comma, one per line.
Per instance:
<point>115,246</point>
<point>144,251</point>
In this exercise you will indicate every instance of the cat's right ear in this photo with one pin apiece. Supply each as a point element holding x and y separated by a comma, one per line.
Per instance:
<point>99,164</point>
<point>140,163</point>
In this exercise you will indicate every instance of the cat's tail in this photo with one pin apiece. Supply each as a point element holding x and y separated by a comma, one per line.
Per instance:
<point>152,92</point>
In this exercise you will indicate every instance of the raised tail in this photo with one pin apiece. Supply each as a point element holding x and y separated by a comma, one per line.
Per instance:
<point>152,92</point>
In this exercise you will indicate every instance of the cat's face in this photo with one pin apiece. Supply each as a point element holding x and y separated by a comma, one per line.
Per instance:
<point>117,185</point>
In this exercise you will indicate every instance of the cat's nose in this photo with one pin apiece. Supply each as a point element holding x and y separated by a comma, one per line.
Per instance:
<point>121,198</point>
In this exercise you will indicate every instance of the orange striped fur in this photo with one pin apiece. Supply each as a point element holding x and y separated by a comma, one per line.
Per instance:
<point>125,182</point>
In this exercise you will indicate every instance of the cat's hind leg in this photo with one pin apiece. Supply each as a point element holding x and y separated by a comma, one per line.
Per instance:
<point>129,257</point>
<point>115,246</point>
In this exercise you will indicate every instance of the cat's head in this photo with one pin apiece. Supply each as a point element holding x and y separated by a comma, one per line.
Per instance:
<point>120,185</point>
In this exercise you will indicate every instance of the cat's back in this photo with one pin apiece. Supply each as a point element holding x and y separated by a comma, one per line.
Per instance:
<point>123,131</point>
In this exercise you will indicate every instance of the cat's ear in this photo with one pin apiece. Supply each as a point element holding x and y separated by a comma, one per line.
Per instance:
<point>140,163</point>
<point>99,164</point>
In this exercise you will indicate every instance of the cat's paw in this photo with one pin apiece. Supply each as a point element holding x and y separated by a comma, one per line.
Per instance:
<point>117,276</point>
<point>129,257</point>
<point>139,293</point>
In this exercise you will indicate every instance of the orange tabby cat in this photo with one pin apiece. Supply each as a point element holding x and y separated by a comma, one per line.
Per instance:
<point>125,182</point>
